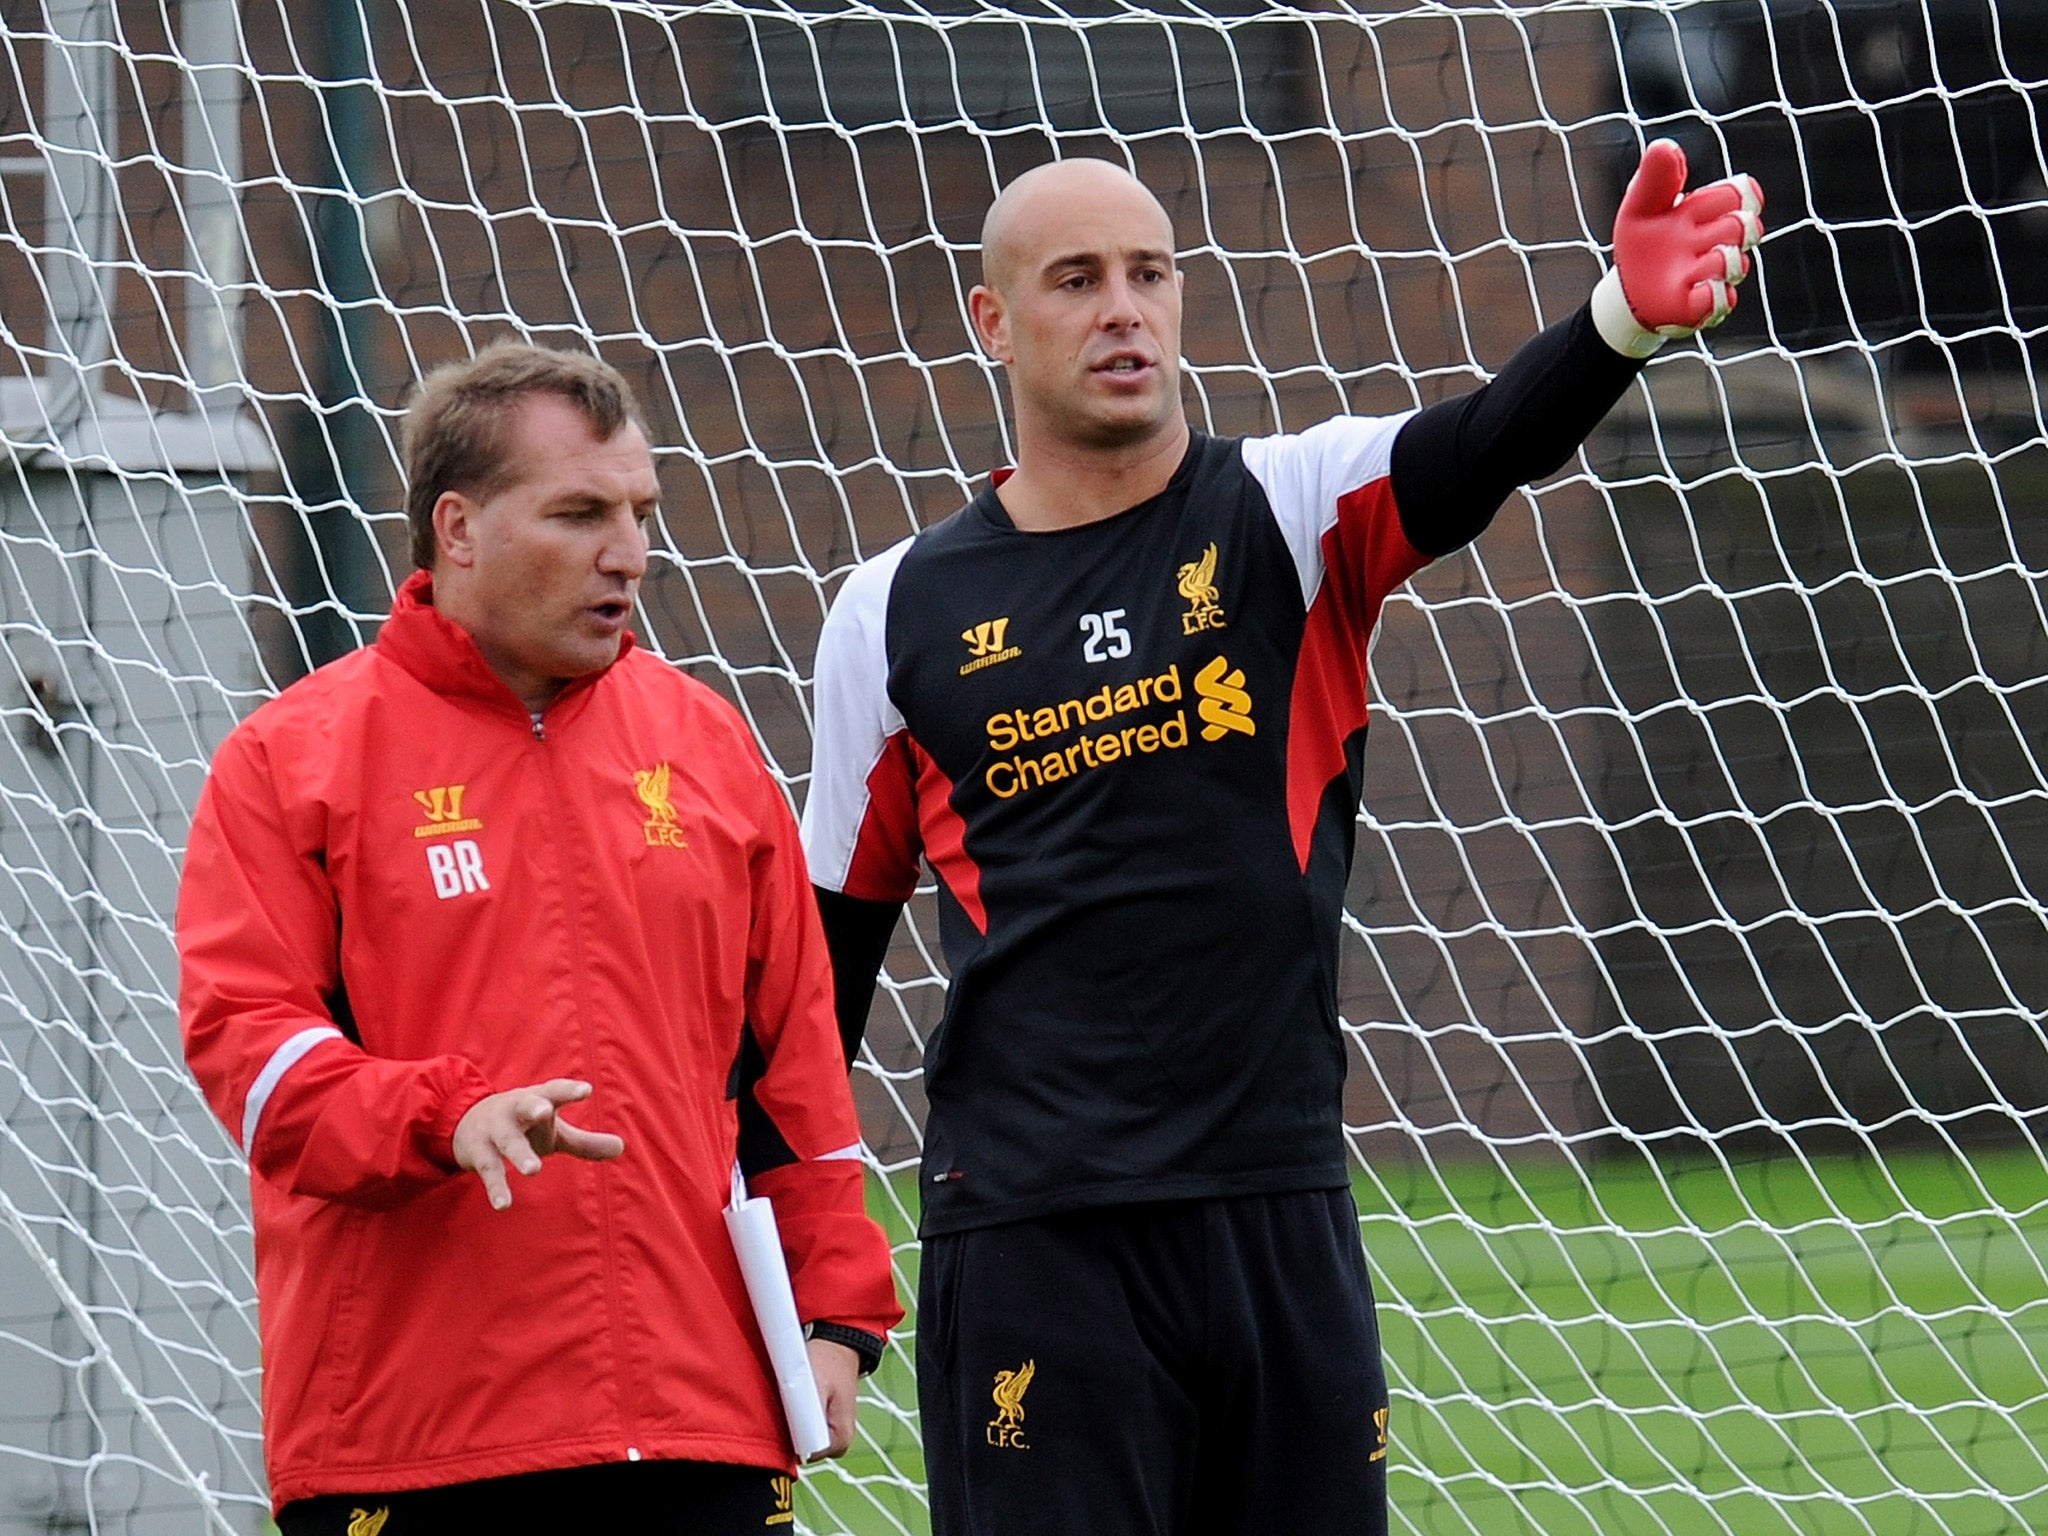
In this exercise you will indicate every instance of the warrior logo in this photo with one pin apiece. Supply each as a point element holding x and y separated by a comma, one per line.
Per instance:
<point>986,643</point>
<point>441,811</point>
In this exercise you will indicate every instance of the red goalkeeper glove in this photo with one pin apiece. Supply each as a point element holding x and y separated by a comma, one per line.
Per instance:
<point>1677,255</point>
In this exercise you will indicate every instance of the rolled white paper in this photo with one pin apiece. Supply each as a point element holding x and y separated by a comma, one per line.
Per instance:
<point>751,1221</point>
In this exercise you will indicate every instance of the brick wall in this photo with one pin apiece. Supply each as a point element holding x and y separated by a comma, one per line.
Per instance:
<point>815,400</point>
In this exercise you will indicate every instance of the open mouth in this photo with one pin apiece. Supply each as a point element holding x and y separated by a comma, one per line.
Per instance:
<point>613,610</point>
<point>1123,365</point>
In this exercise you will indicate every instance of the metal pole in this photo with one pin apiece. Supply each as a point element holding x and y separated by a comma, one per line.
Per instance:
<point>78,202</point>
<point>210,39</point>
<point>79,224</point>
<point>332,455</point>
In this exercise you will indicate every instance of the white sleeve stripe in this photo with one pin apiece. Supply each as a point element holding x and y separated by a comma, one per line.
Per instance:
<point>282,1060</point>
<point>853,717</point>
<point>832,861</point>
<point>846,1154</point>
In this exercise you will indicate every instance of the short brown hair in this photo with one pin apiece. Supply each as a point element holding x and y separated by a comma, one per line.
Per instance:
<point>454,435</point>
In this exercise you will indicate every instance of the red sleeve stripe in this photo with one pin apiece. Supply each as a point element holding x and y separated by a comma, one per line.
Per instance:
<point>1329,704</point>
<point>1307,477</point>
<point>882,865</point>
<point>945,838</point>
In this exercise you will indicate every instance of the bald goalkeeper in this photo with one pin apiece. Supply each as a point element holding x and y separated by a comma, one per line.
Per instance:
<point>1118,703</point>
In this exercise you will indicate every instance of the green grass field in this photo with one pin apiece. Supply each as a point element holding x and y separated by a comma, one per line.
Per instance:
<point>1785,1348</point>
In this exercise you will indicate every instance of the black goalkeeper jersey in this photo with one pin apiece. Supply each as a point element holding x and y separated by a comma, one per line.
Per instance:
<point>1131,752</point>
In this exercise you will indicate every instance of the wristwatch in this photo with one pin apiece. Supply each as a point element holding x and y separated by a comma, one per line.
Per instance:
<point>867,1345</point>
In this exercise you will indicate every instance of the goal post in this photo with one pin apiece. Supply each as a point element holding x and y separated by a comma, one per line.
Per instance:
<point>1692,969</point>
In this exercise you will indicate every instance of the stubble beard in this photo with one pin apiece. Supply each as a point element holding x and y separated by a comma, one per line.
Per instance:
<point>1110,426</point>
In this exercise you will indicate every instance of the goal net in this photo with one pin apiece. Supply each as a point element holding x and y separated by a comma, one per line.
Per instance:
<point>1696,954</point>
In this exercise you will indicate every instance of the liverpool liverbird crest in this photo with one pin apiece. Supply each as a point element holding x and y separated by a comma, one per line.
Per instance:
<point>1198,585</point>
<point>1006,1429</point>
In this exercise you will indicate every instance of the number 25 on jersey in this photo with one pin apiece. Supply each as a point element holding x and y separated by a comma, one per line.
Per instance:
<point>1107,638</point>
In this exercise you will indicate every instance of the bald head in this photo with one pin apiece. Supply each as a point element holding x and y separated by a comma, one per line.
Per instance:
<point>1080,302</point>
<point>1030,214</point>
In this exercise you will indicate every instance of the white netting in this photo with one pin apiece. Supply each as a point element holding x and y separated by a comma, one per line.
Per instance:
<point>1696,966</point>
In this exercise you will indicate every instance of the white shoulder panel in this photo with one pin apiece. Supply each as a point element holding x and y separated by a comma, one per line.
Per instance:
<point>1306,475</point>
<point>853,715</point>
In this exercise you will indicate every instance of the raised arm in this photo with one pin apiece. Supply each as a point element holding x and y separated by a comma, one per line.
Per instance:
<point>1677,259</point>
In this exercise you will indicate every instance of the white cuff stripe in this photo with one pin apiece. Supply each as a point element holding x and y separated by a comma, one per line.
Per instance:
<point>1617,323</point>
<point>282,1060</point>
<point>849,1154</point>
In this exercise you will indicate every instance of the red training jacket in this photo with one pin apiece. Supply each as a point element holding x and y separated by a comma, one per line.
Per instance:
<point>400,895</point>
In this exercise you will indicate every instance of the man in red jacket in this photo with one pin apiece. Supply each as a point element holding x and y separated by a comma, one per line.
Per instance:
<point>495,865</point>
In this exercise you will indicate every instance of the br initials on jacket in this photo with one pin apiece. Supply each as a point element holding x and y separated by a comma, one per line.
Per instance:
<point>456,868</point>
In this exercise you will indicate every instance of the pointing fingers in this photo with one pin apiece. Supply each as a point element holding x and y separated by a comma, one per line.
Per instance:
<point>515,1145</point>
<point>593,1146</point>
<point>492,1172</point>
<point>521,1127</point>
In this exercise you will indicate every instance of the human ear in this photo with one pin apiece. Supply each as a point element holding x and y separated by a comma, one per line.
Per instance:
<point>991,322</point>
<point>455,528</point>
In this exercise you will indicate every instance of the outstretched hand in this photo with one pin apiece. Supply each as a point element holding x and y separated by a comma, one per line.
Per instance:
<point>521,1126</point>
<point>1677,255</point>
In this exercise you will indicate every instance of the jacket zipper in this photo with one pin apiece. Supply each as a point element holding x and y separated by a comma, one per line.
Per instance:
<point>621,1357</point>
